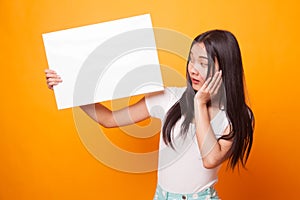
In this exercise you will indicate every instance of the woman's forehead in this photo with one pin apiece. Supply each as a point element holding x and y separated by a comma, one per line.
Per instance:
<point>198,50</point>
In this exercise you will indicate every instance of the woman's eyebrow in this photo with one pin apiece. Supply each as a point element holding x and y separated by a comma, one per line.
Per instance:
<point>203,57</point>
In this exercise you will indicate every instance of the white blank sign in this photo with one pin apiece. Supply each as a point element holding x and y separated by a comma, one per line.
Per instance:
<point>104,61</point>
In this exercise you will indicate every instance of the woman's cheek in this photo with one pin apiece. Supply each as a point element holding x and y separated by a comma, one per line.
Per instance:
<point>203,72</point>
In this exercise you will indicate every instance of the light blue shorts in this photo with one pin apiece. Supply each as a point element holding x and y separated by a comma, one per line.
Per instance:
<point>209,193</point>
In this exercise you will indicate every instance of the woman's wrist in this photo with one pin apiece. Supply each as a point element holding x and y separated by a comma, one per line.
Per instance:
<point>200,103</point>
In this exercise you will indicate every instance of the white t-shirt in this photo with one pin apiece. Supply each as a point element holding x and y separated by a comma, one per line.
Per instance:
<point>181,170</point>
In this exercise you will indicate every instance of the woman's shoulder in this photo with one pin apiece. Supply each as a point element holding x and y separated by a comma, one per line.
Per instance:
<point>159,103</point>
<point>165,98</point>
<point>168,92</point>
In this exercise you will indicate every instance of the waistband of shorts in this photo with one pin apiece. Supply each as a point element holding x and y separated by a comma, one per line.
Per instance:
<point>210,191</point>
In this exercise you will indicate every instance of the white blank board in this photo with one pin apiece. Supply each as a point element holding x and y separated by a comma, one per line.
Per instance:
<point>104,61</point>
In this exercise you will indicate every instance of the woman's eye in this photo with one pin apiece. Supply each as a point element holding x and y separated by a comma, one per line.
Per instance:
<point>204,64</point>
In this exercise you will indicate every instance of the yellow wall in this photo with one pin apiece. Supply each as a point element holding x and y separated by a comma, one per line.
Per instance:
<point>42,156</point>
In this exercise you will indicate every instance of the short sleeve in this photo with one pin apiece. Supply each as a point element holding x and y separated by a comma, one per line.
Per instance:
<point>159,103</point>
<point>220,123</point>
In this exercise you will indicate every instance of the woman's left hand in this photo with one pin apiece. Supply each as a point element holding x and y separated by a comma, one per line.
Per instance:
<point>209,89</point>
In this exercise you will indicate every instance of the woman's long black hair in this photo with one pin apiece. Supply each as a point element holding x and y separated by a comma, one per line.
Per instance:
<point>222,46</point>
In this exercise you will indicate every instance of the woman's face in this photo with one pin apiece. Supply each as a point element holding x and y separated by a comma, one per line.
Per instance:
<point>198,65</point>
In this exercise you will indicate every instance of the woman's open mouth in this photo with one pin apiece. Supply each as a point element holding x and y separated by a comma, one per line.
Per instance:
<point>195,81</point>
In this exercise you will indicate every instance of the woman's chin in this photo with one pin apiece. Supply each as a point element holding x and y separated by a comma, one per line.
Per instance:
<point>196,87</point>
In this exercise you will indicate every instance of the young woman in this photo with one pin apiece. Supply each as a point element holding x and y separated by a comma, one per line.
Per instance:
<point>203,124</point>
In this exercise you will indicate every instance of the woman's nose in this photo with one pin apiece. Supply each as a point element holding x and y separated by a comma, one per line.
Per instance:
<point>193,68</point>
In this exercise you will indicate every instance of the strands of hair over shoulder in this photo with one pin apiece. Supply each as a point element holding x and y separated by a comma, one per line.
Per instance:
<point>222,46</point>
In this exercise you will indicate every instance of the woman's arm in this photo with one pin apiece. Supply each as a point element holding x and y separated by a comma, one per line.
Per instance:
<point>126,116</point>
<point>213,152</point>
<point>102,115</point>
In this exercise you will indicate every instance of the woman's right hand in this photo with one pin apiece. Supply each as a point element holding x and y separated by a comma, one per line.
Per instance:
<point>52,78</point>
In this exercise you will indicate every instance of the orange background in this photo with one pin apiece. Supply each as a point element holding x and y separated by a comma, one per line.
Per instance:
<point>41,154</point>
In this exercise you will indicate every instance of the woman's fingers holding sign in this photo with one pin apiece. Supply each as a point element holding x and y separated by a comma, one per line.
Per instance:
<point>52,78</point>
<point>210,88</point>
